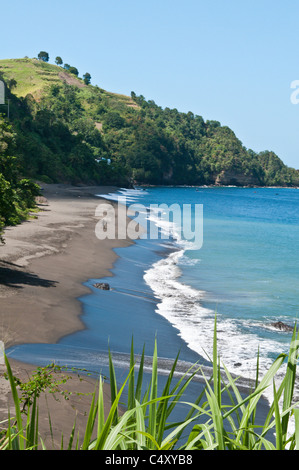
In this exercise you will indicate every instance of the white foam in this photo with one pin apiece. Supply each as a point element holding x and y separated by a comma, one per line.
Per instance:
<point>124,195</point>
<point>182,306</point>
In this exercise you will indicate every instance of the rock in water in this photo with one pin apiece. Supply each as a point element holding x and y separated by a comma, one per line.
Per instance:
<point>102,285</point>
<point>282,326</point>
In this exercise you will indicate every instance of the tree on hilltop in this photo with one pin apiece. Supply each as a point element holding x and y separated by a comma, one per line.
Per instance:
<point>74,70</point>
<point>87,78</point>
<point>58,61</point>
<point>44,56</point>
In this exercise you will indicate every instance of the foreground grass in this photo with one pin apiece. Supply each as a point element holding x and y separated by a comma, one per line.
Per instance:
<point>146,425</point>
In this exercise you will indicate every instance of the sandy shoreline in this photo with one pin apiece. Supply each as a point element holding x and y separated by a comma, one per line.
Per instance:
<point>42,269</point>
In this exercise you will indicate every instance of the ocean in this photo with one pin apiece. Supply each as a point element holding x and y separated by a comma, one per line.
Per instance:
<point>241,267</point>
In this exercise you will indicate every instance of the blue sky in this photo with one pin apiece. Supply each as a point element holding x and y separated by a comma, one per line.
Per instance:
<point>228,60</point>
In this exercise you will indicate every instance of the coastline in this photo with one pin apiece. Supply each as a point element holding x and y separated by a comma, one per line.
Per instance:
<point>63,253</point>
<point>43,266</point>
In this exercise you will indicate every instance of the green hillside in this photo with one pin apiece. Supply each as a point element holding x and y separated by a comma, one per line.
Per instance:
<point>66,130</point>
<point>26,76</point>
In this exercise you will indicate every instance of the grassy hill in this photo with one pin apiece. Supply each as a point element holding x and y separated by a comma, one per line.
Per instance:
<point>68,131</point>
<point>35,77</point>
<point>26,76</point>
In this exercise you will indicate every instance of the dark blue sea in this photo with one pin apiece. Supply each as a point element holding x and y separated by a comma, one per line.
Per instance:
<point>241,265</point>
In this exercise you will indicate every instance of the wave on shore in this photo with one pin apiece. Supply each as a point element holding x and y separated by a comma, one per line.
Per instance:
<point>182,305</point>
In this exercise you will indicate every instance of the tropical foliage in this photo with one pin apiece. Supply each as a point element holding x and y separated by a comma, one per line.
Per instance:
<point>68,130</point>
<point>209,424</point>
<point>60,128</point>
<point>17,194</point>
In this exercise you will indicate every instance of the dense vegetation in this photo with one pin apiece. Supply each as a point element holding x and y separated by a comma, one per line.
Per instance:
<point>222,417</point>
<point>69,130</point>
<point>63,129</point>
<point>17,194</point>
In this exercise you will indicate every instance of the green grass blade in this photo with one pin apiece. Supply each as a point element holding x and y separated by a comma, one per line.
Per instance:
<point>194,407</point>
<point>278,426</point>
<point>71,440</point>
<point>113,384</point>
<point>30,436</point>
<point>177,431</point>
<point>101,408</point>
<point>115,436</point>
<point>101,438</point>
<point>215,364</point>
<point>296,415</point>
<point>163,412</point>
<point>13,388</point>
<point>140,378</point>
<point>90,423</point>
<point>217,420</point>
<point>140,427</point>
<point>290,378</point>
<point>153,394</point>
<point>264,383</point>
<point>131,384</point>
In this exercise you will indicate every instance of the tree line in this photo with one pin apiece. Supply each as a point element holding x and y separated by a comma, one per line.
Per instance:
<point>44,56</point>
<point>88,135</point>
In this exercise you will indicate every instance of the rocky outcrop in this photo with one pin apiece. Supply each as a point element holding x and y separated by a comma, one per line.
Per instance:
<point>279,325</point>
<point>102,285</point>
<point>231,178</point>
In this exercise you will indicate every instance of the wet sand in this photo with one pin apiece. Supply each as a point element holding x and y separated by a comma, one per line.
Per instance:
<point>43,266</point>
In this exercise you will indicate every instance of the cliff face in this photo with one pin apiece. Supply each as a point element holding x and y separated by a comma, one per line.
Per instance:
<point>227,178</point>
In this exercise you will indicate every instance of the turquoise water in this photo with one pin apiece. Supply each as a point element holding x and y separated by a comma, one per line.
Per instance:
<point>246,270</point>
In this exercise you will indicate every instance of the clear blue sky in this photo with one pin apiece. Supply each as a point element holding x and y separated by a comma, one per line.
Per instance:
<point>228,60</point>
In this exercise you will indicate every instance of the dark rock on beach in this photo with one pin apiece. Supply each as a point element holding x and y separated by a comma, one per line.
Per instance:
<point>102,285</point>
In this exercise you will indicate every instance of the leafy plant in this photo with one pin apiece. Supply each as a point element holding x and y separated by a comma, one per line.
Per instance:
<point>146,423</point>
<point>48,378</point>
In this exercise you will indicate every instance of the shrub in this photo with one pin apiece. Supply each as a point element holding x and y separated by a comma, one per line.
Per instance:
<point>146,424</point>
